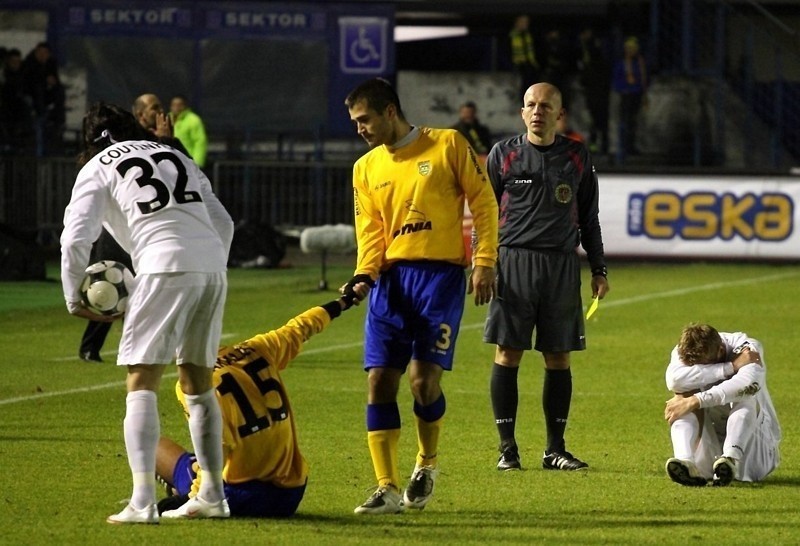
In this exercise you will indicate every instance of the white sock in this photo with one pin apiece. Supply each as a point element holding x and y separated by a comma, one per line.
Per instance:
<point>739,430</point>
<point>205,426</point>
<point>142,430</point>
<point>685,432</point>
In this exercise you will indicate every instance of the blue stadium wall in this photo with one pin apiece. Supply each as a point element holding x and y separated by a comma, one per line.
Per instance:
<point>247,66</point>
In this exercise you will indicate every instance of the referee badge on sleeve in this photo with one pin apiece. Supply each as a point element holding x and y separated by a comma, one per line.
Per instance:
<point>424,168</point>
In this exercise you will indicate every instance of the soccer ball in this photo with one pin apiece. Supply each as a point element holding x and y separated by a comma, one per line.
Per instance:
<point>106,287</point>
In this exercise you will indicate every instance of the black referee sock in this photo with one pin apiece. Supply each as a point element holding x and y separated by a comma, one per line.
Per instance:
<point>505,398</point>
<point>556,397</point>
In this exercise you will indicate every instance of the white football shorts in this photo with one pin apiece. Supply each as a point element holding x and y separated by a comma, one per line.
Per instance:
<point>174,316</point>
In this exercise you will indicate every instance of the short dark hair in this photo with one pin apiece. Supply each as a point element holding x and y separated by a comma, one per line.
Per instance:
<point>378,93</point>
<point>103,125</point>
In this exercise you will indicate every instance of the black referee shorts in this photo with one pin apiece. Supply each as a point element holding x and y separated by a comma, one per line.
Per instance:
<point>541,291</point>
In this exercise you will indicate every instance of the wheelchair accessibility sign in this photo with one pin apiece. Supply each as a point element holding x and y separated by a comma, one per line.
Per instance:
<point>363,43</point>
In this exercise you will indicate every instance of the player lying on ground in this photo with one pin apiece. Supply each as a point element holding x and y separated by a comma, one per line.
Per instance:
<point>722,421</point>
<point>265,474</point>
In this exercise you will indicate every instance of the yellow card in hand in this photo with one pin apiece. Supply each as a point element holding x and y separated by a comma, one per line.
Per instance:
<point>592,308</point>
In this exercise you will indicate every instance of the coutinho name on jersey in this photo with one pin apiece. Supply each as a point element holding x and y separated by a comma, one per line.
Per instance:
<point>118,151</point>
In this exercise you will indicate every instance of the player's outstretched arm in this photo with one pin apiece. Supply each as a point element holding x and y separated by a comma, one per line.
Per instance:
<point>282,345</point>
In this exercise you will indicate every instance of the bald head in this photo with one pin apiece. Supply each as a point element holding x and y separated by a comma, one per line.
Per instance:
<point>541,110</point>
<point>545,90</point>
<point>145,109</point>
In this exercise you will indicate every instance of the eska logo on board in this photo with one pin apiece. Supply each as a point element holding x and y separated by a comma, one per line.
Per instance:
<point>709,215</point>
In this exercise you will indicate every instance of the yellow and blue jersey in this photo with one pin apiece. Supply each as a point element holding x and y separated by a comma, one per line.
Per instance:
<point>409,203</point>
<point>259,430</point>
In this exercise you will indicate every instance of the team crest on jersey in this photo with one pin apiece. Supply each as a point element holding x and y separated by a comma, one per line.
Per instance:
<point>563,193</point>
<point>424,168</point>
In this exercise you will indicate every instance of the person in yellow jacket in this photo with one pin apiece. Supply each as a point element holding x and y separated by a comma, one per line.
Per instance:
<point>409,193</point>
<point>523,53</point>
<point>189,129</point>
<point>264,474</point>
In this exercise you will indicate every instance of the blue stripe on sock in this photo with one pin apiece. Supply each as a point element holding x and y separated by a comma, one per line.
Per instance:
<point>383,416</point>
<point>432,412</point>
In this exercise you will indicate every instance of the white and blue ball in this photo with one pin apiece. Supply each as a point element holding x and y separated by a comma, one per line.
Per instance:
<point>106,287</point>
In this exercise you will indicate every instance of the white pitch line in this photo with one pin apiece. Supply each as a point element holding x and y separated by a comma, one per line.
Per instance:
<point>699,288</point>
<point>108,353</point>
<point>612,303</point>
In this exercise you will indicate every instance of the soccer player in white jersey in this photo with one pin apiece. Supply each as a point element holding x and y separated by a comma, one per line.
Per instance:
<point>160,208</point>
<point>722,421</point>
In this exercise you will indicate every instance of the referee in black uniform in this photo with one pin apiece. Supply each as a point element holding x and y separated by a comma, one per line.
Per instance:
<point>547,190</point>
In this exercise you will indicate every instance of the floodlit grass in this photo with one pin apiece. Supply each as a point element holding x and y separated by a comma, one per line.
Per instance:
<point>63,467</point>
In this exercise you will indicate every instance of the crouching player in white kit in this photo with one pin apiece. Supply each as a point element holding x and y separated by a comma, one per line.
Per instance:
<point>160,208</point>
<point>722,421</point>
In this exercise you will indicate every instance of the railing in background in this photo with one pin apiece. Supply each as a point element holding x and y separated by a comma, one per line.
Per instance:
<point>284,193</point>
<point>753,63</point>
<point>35,191</point>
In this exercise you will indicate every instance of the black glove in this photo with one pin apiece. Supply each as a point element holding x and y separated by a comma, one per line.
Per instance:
<point>348,294</point>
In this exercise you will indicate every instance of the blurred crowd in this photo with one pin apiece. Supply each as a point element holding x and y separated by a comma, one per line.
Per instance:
<point>32,102</point>
<point>587,65</point>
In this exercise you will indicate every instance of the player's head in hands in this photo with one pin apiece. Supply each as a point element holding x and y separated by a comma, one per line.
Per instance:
<point>700,344</point>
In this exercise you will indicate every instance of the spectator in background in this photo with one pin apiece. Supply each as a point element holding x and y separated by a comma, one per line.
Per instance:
<point>630,81</point>
<point>557,64</point>
<point>476,133</point>
<point>564,128</point>
<point>150,114</point>
<point>523,53</point>
<point>43,86</point>
<point>3,55</point>
<point>189,129</point>
<point>16,114</point>
<point>595,77</point>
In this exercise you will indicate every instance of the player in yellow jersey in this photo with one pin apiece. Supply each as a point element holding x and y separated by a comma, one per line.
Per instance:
<point>264,474</point>
<point>409,204</point>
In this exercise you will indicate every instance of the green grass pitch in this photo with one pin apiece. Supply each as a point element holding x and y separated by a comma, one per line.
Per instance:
<point>63,467</point>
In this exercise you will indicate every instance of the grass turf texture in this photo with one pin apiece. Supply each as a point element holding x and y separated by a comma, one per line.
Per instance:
<point>63,465</point>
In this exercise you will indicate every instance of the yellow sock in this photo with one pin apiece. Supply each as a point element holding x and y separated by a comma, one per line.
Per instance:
<point>383,446</point>
<point>428,440</point>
